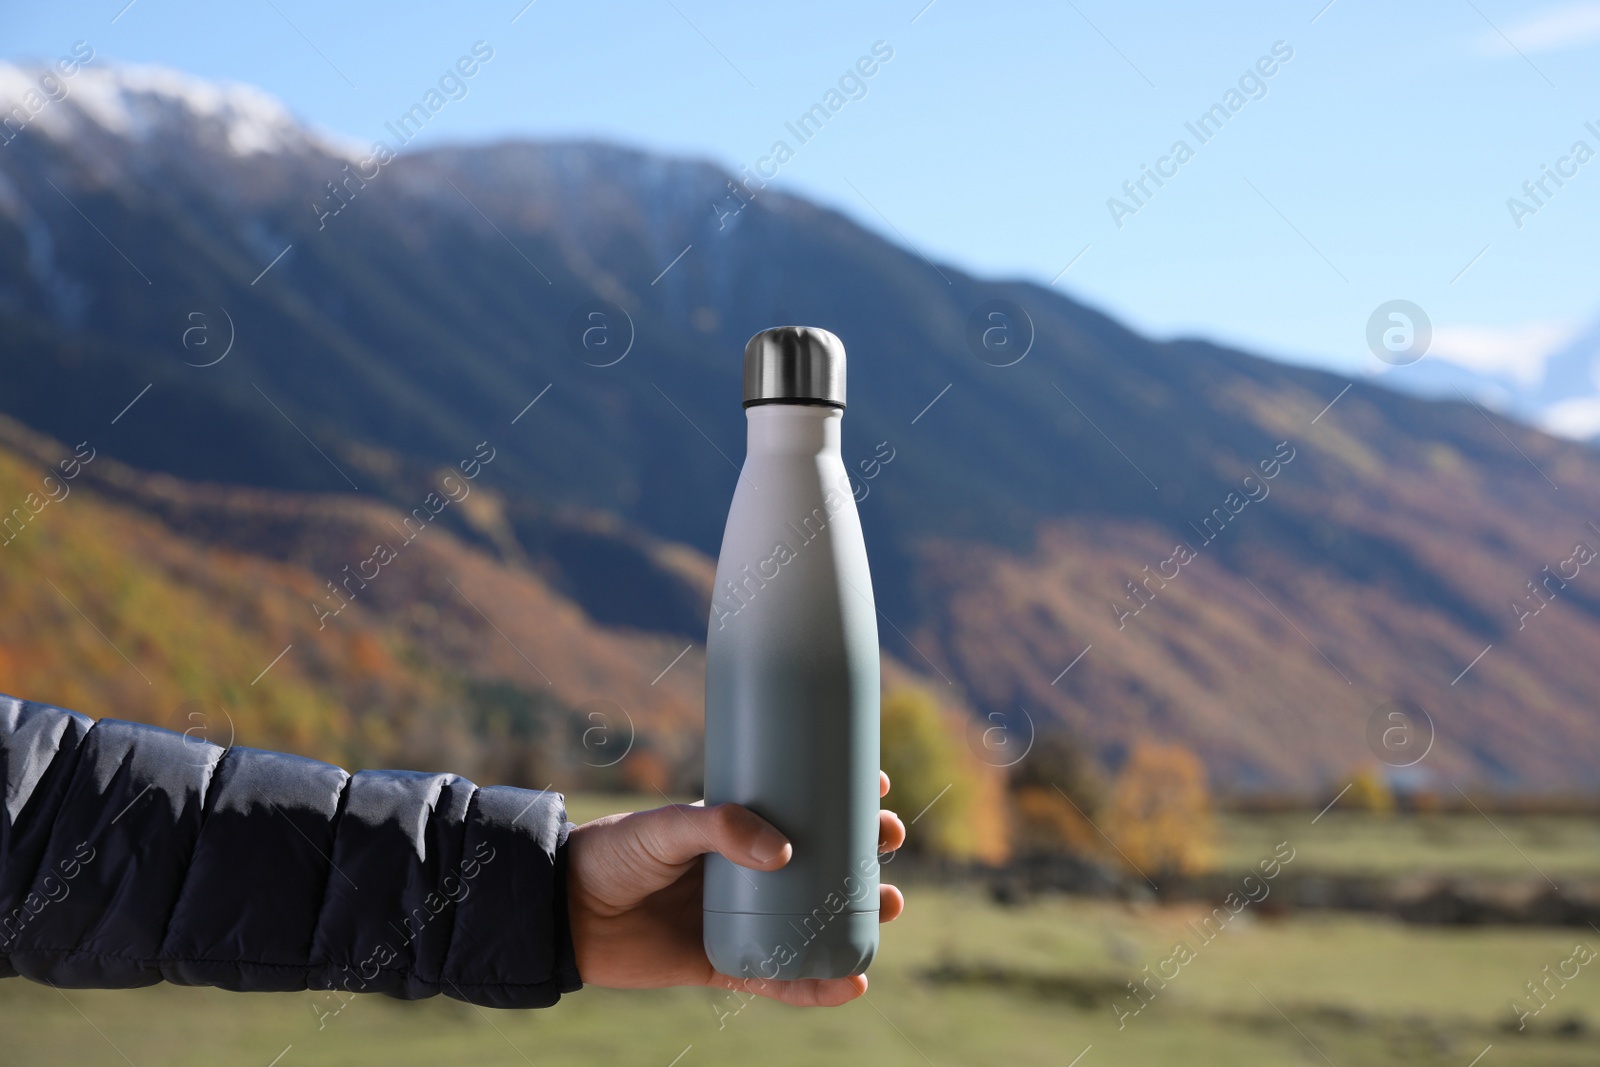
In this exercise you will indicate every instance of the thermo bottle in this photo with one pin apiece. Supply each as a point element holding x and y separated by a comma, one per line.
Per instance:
<point>792,679</point>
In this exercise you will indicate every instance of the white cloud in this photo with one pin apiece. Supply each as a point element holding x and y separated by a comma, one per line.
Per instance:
<point>1577,418</point>
<point>1518,352</point>
<point>1555,29</point>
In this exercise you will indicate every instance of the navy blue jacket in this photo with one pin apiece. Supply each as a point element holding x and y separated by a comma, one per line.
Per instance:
<point>131,855</point>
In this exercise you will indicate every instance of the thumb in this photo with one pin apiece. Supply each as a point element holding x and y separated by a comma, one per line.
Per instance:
<point>677,834</point>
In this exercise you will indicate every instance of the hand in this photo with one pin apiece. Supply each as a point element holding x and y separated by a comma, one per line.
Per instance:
<point>633,897</point>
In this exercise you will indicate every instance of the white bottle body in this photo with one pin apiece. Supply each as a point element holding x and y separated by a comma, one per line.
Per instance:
<point>792,706</point>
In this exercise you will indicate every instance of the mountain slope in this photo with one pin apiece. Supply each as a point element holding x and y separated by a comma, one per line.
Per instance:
<point>377,345</point>
<point>209,609</point>
<point>339,627</point>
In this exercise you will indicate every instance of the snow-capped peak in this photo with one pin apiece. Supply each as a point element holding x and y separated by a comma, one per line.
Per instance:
<point>137,102</point>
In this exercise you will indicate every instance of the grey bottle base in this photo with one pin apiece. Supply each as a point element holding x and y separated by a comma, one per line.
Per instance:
<point>746,945</point>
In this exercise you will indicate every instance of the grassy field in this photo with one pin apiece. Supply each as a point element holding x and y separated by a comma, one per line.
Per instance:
<point>1349,842</point>
<point>1353,842</point>
<point>959,981</point>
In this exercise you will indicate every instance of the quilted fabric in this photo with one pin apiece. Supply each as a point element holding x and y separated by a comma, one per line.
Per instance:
<point>131,855</point>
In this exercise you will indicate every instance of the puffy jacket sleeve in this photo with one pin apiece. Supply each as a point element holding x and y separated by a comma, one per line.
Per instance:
<point>131,855</point>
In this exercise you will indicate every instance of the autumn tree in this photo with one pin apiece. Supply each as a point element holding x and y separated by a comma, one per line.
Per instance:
<point>1159,813</point>
<point>1054,792</point>
<point>1370,792</point>
<point>936,777</point>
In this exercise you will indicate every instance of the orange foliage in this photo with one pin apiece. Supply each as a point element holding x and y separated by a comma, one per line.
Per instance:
<point>1045,821</point>
<point>369,657</point>
<point>104,611</point>
<point>645,772</point>
<point>1159,812</point>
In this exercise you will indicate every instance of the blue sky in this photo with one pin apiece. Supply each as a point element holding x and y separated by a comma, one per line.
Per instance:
<point>1377,165</point>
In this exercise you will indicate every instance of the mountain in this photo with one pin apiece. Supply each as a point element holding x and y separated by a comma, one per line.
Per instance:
<point>1343,545</point>
<point>190,606</point>
<point>277,619</point>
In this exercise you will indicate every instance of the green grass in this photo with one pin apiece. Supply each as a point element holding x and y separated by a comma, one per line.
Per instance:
<point>1356,843</point>
<point>959,981</point>
<point>1362,991</point>
<point>581,807</point>
<point>1352,842</point>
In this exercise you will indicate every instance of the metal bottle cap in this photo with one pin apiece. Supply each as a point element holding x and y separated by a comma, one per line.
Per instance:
<point>794,365</point>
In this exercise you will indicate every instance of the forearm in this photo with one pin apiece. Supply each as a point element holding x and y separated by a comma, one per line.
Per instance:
<point>131,855</point>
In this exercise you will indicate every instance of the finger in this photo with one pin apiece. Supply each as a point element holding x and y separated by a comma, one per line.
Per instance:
<point>676,834</point>
<point>891,902</point>
<point>883,783</point>
<point>798,992</point>
<point>891,831</point>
